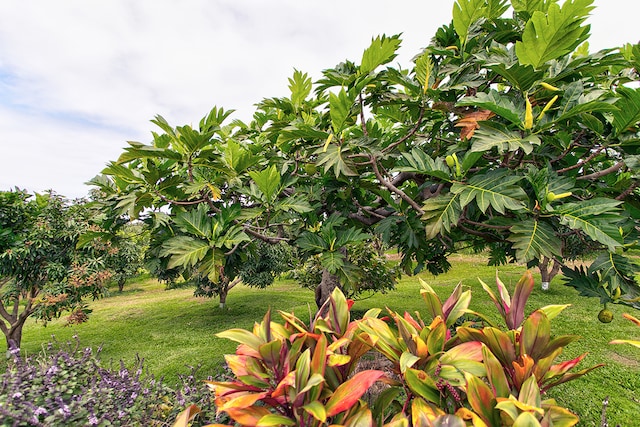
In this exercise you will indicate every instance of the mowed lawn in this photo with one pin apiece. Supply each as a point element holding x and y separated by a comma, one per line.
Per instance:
<point>172,330</point>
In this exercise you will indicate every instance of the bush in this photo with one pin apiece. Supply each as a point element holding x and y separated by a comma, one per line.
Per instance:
<point>374,272</point>
<point>68,385</point>
<point>479,373</point>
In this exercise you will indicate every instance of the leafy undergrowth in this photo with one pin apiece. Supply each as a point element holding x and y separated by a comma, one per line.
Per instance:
<point>172,330</point>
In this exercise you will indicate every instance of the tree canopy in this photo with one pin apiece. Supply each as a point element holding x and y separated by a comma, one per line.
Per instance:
<point>42,273</point>
<point>505,134</point>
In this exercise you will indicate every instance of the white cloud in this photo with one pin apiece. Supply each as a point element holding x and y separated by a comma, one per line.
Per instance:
<point>78,79</point>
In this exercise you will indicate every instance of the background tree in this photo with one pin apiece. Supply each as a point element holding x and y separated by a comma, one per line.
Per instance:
<point>505,134</point>
<point>42,274</point>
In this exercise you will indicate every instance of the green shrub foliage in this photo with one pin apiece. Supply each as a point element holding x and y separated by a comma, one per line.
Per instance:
<point>374,273</point>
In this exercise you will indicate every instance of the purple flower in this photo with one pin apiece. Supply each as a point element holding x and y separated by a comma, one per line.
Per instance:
<point>16,395</point>
<point>93,420</point>
<point>40,411</point>
<point>65,411</point>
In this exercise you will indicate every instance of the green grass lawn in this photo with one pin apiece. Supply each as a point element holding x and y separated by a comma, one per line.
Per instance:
<point>171,330</point>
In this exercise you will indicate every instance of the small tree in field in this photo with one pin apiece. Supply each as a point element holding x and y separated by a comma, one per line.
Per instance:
<point>42,274</point>
<point>505,134</point>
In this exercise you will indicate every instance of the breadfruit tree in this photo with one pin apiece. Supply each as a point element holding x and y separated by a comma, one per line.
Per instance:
<point>504,134</point>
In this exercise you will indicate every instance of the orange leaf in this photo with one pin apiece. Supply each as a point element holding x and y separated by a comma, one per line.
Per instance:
<point>523,370</point>
<point>286,382</point>
<point>481,398</point>
<point>237,364</point>
<point>349,392</point>
<point>247,416</point>
<point>469,123</point>
<point>630,317</point>
<point>186,416</point>
<point>243,401</point>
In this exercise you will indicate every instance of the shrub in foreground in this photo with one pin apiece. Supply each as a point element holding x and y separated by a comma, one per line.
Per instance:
<point>68,385</point>
<point>478,374</point>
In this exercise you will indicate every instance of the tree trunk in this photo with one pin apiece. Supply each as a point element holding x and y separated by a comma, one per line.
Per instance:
<point>224,291</point>
<point>328,283</point>
<point>548,270</point>
<point>14,336</point>
<point>121,283</point>
<point>12,322</point>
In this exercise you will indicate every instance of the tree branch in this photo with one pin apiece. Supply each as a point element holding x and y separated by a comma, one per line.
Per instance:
<point>408,135</point>
<point>402,177</point>
<point>479,224</point>
<point>486,236</point>
<point>267,239</point>
<point>393,188</point>
<point>362,122</point>
<point>177,202</point>
<point>233,283</point>
<point>603,172</point>
<point>5,315</point>
<point>628,191</point>
<point>584,162</point>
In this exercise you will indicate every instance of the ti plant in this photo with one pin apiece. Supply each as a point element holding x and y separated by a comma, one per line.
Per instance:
<point>526,348</point>
<point>477,374</point>
<point>294,374</point>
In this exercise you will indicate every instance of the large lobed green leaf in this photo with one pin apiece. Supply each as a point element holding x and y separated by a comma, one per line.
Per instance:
<point>467,12</point>
<point>268,181</point>
<point>418,161</point>
<point>493,135</point>
<point>332,158</point>
<point>628,113</point>
<point>555,33</point>
<point>497,103</point>
<point>184,251</point>
<point>195,221</point>
<point>597,218</point>
<point>300,86</point>
<point>533,239</point>
<point>340,108</point>
<point>494,189</point>
<point>381,51</point>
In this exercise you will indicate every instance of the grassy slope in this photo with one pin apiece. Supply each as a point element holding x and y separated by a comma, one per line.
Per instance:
<point>172,329</point>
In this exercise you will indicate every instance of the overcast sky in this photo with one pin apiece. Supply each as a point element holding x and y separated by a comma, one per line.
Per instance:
<point>79,78</point>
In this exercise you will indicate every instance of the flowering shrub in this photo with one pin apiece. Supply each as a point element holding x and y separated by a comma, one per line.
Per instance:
<point>68,385</point>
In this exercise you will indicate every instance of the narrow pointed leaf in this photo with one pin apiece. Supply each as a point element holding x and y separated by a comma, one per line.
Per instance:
<point>521,293</point>
<point>275,420</point>
<point>495,374</point>
<point>317,410</point>
<point>530,393</point>
<point>242,336</point>
<point>423,385</point>
<point>349,392</point>
<point>481,399</point>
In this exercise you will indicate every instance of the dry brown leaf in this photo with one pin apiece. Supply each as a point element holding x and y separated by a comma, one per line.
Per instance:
<point>469,122</point>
